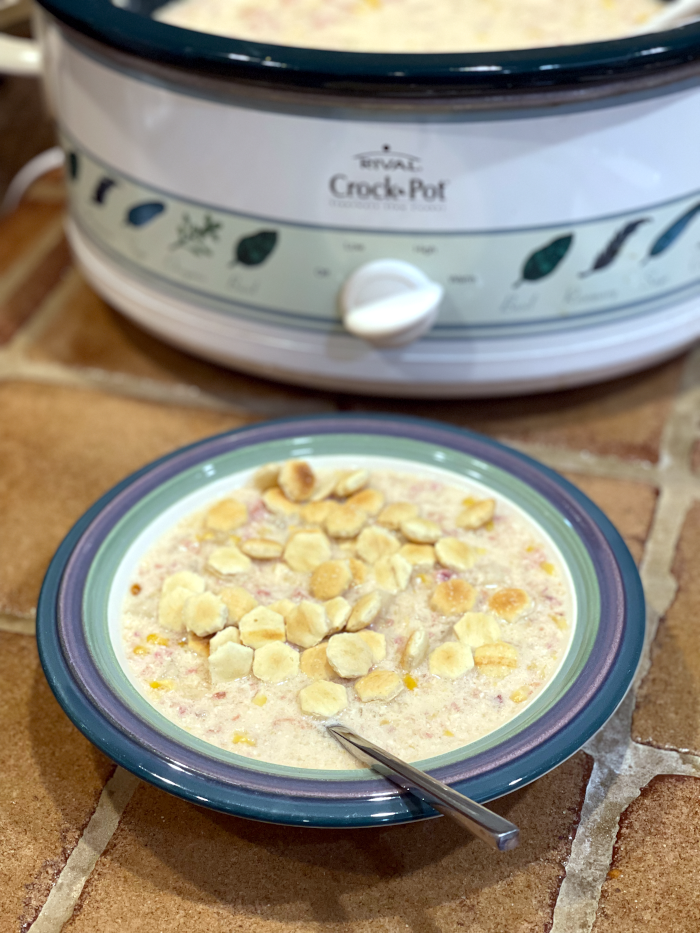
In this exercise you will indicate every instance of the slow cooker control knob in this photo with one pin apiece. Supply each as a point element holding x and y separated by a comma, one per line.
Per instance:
<point>389,303</point>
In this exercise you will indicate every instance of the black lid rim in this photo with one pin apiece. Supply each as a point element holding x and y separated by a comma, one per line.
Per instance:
<point>463,74</point>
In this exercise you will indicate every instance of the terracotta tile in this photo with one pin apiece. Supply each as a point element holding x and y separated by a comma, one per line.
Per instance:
<point>60,449</point>
<point>25,127</point>
<point>20,230</point>
<point>668,703</point>
<point>20,306</point>
<point>653,880</point>
<point>622,418</point>
<point>172,866</point>
<point>629,506</point>
<point>50,188</point>
<point>50,782</point>
<point>86,332</point>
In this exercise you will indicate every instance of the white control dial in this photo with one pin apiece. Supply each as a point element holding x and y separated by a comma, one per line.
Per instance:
<point>389,303</point>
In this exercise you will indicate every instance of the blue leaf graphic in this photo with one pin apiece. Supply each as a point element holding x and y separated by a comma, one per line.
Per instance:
<point>144,213</point>
<point>669,236</point>
<point>73,164</point>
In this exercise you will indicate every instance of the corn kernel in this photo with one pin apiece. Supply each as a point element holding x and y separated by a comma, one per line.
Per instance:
<point>425,578</point>
<point>448,733</point>
<point>140,649</point>
<point>384,722</point>
<point>560,622</point>
<point>154,639</point>
<point>530,549</point>
<point>240,738</point>
<point>548,568</point>
<point>521,694</point>
<point>259,700</point>
<point>410,682</point>
<point>161,685</point>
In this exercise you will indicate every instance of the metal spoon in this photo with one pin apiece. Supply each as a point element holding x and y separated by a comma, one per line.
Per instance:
<point>491,828</point>
<point>674,15</point>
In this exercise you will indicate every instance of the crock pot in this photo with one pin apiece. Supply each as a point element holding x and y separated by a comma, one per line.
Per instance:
<point>416,225</point>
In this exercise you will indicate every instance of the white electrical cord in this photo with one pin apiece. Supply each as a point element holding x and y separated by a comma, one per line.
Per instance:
<point>35,168</point>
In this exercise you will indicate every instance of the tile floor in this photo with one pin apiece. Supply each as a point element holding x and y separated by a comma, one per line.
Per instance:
<point>610,838</point>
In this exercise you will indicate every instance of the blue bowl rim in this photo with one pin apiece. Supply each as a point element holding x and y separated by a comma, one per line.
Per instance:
<point>131,30</point>
<point>259,796</point>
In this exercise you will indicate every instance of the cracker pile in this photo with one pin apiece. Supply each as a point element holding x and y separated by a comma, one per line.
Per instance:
<point>386,545</point>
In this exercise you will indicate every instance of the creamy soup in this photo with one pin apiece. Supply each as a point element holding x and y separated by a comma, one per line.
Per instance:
<point>420,614</point>
<point>413,25</point>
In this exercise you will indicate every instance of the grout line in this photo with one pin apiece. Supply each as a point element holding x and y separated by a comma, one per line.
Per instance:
<point>22,268</point>
<point>65,894</point>
<point>659,583</point>
<point>249,408</point>
<point>15,368</point>
<point>16,625</point>
<point>617,779</point>
<point>142,388</point>
<point>59,296</point>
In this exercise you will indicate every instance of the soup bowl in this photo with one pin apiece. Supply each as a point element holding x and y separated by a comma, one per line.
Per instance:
<point>83,655</point>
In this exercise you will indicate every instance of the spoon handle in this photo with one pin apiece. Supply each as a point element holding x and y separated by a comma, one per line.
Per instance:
<point>673,15</point>
<point>486,825</point>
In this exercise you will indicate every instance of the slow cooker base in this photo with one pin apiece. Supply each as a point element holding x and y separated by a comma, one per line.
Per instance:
<point>427,369</point>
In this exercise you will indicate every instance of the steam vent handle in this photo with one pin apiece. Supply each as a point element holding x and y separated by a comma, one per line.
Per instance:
<point>389,303</point>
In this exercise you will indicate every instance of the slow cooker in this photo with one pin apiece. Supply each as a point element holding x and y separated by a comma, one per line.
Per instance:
<point>416,225</point>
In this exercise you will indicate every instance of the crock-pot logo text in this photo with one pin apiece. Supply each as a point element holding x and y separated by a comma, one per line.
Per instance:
<point>389,178</point>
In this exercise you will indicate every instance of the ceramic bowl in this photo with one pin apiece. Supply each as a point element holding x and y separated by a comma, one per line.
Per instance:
<point>78,625</point>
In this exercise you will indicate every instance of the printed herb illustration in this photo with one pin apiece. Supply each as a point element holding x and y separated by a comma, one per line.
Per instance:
<point>545,260</point>
<point>614,247</point>
<point>254,250</point>
<point>142,214</point>
<point>102,189</point>
<point>196,238</point>
<point>671,234</point>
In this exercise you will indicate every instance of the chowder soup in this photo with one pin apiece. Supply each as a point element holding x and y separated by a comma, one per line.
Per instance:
<point>420,614</point>
<point>413,25</point>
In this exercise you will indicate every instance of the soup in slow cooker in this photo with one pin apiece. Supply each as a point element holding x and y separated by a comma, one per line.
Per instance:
<point>413,25</point>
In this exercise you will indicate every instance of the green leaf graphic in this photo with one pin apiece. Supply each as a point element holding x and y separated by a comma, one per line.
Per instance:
<point>254,250</point>
<point>545,260</point>
<point>73,165</point>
